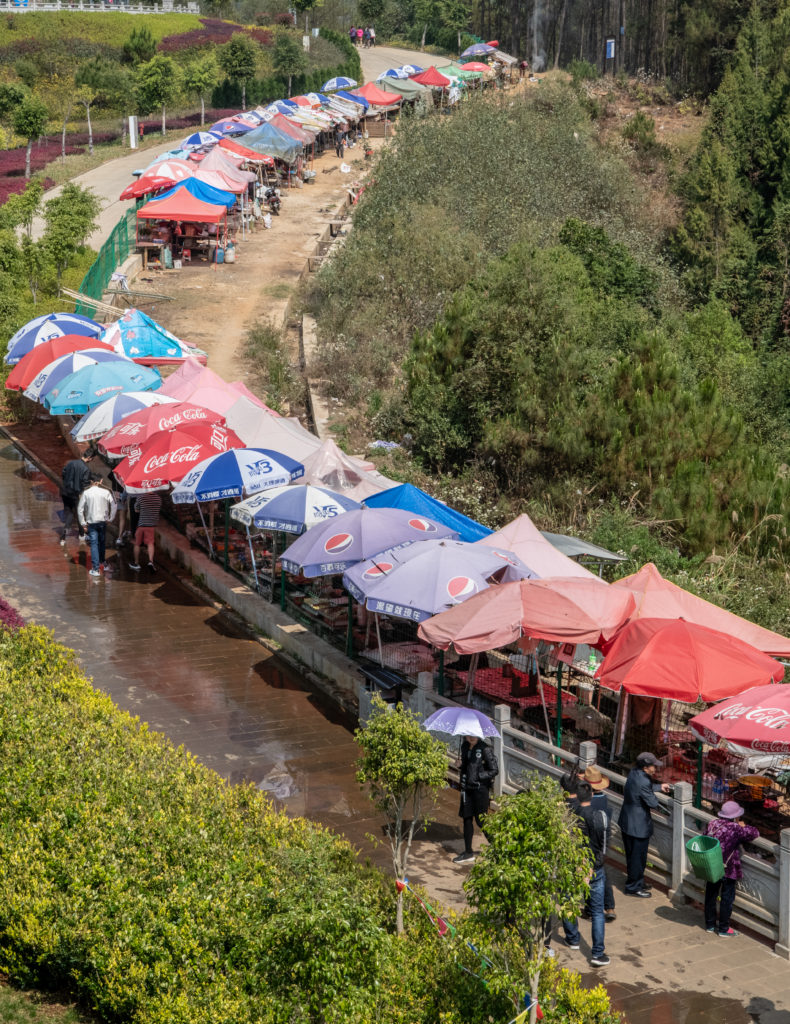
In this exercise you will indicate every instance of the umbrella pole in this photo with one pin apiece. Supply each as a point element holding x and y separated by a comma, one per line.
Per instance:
<point>274,563</point>
<point>559,704</point>
<point>470,678</point>
<point>698,794</point>
<point>543,700</point>
<point>252,557</point>
<point>378,637</point>
<point>440,681</point>
<point>282,589</point>
<point>208,535</point>
<point>350,629</point>
<point>227,533</point>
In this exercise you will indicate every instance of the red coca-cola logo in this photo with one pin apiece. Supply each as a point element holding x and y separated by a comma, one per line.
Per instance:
<point>187,453</point>
<point>771,718</point>
<point>184,416</point>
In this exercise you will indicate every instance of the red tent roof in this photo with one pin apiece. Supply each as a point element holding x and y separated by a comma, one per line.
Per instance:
<point>248,154</point>
<point>431,77</point>
<point>378,97</point>
<point>661,599</point>
<point>182,205</point>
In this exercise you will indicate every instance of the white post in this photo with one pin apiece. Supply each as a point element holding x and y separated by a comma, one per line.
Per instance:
<point>681,802</point>
<point>501,720</point>
<point>782,947</point>
<point>588,754</point>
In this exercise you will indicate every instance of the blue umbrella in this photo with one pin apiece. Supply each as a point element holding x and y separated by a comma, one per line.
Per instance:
<point>45,328</point>
<point>345,540</point>
<point>235,472</point>
<point>412,69</point>
<point>393,73</point>
<point>338,83</point>
<point>89,387</point>
<point>425,579</point>
<point>201,139</point>
<point>231,127</point>
<point>98,421</point>
<point>353,98</point>
<point>292,509</point>
<point>142,339</point>
<point>48,381</point>
<point>461,722</point>
<point>478,50</point>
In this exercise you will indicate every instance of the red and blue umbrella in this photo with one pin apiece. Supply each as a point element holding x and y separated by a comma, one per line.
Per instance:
<point>422,580</point>
<point>98,421</point>
<point>335,546</point>
<point>45,328</point>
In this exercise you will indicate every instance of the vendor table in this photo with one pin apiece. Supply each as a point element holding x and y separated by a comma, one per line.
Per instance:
<point>492,682</point>
<point>147,248</point>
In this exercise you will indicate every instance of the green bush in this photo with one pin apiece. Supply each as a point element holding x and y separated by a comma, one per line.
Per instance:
<point>583,71</point>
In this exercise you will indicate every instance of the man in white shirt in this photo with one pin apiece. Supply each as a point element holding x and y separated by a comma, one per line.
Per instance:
<point>96,508</point>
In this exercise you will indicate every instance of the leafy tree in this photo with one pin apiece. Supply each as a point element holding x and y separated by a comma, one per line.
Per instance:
<point>288,57</point>
<point>199,77</point>
<point>158,84</point>
<point>21,208</point>
<point>100,82</point>
<point>238,58</point>
<point>70,218</point>
<point>370,10</point>
<point>537,864</point>
<point>455,15</point>
<point>57,91</point>
<point>140,47</point>
<point>304,7</point>
<point>403,767</point>
<point>34,261</point>
<point>427,12</point>
<point>11,95</point>
<point>29,120</point>
<point>27,72</point>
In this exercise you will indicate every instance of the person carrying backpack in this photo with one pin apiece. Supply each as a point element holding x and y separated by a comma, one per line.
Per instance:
<point>479,768</point>
<point>594,824</point>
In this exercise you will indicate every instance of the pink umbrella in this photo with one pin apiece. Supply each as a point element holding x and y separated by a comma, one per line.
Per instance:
<point>201,386</point>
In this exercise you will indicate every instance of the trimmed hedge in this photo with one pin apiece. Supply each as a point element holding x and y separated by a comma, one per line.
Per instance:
<point>138,880</point>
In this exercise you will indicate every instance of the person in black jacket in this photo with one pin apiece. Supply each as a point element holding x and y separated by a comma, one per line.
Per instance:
<point>75,477</point>
<point>479,768</point>
<point>594,824</point>
<point>636,820</point>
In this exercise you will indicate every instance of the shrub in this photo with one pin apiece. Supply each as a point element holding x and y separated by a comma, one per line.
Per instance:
<point>9,616</point>
<point>583,71</point>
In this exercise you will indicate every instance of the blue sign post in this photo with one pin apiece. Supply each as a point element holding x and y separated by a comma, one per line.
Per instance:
<point>610,48</point>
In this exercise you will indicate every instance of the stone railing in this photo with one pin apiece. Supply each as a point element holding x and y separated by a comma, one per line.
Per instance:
<point>762,903</point>
<point>144,7</point>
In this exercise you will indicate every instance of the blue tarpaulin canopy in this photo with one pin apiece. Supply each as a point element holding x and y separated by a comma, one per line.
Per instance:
<point>411,498</point>
<point>353,97</point>
<point>200,190</point>
<point>272,142</point>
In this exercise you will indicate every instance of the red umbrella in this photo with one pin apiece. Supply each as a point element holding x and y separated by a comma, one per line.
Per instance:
<point>130,433</point>
<point>678,660</point>
<point>475,65</point>
<point>758,719</point>
<point>164,174</point>
<point>29,366</point>
<point>168,456</point>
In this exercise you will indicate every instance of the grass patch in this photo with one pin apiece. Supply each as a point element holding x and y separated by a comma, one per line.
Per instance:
<point>33,1008</point>
<point>111,28</point>
<point>267,353</point>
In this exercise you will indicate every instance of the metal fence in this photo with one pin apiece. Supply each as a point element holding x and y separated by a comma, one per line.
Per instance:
<point>110,257</point>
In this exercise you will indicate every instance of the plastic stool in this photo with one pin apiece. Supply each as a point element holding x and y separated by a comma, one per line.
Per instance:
<point>186,256</point>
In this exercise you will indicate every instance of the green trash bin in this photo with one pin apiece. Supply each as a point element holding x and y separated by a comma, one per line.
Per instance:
<point>704,854</point>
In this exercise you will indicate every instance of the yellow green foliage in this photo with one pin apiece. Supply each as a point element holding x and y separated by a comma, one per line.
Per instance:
<point>111,29</point>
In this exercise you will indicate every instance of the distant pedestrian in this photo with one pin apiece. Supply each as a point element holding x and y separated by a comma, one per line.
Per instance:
<point>75,478</point>
<point>523,68</point>
<point>96,508</point>
<point>352,35</point>
<point>366,38</point>
<point>479,768</point>
<point>339,139</point>
<point>359,36</point>
<point>595,827</point>
<point>636,820</point>
<point>372,32</point>
<point>599,784</point>
<point>148,506</point>
<point>731,832</point>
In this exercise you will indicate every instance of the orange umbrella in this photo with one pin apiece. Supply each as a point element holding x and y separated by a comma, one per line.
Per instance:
<point>560,609</point>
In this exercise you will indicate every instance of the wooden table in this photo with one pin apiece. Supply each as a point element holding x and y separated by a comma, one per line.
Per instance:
<point>147,247</point>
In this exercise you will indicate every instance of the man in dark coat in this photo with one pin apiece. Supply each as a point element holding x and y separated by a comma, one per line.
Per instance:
<point>75,478</point>
<point>636,820</point>
<point>479,768</point>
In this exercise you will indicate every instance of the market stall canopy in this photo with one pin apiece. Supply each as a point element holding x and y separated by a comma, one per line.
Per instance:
<point>159,175</point>
<point>198,384</point>
<point>377,97</point>
<point>421,580</point>
<point>94,384</point>
<point>329,466</point>
<point>475,65</point>
<point>574,547</point>
<point>47,381</point>
<point>291,509</point>
<point>29,366</point>
<point>182,205</point>
<point>458,72</point>
<point>433,78</point>
<point>229,146</point>
<point>98,421</point>
<point>412,498</point>
<point>504,58</point>
<point>756,721</point>
<point>270,140</point>
<point>302,135</point>
<point>677,660</point>
<point>46,327</point>
<point>261,429</point>
<point>167,456</point>
<point>659,598</point>
<point>351,97</point>
<point>338,83</point>
<point>200,190</point>
<point>138,337</point>
<point>229,126</point>
<point>198,139</point>
<point>133,430</point>
<point>526,540</point>
<point>478,50</point>
<point>562,610</point>
<point>220,181</point>
<point>409,90</point>
<point>227,165</point>
<point>235,472</point>
<point>395,73</point>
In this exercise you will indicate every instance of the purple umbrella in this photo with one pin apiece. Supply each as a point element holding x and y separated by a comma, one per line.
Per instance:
<point>461,722</point>
<point>335,546</point>
<point>424,579</point>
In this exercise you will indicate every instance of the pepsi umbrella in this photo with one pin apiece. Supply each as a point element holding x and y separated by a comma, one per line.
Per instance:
<point>89,387</point>
<point>45,328</point>
<point>98,421</point>
<point>292,509</point>
<point>230,127</point>
<point>338,83</point>
<point>235,472</point>
<point>422,580</point>
<point>461,722</point>
<point>48,380</point>
<point>354,536</point>
<point>478,50</point>
<point>198,139</point>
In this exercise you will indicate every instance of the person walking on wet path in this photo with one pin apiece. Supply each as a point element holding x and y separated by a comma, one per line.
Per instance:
<point>479,768</point>
<point>731,832</point>
<point>96,508</point>
<point>75,477</point>
<point>148,508</point>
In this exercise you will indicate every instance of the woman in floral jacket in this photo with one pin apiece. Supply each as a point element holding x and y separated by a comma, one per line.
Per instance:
<point>731,832</point>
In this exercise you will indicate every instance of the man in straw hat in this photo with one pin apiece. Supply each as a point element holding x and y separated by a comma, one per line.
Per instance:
<point>731,832</point>
<point>599,784</point>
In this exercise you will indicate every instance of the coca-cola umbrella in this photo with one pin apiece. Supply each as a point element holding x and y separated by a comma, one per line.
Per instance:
<point>30,365</point>
<point>131,432</point>
<point>167,456</point>
<point>98,421</point>
<point>756,721</point>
